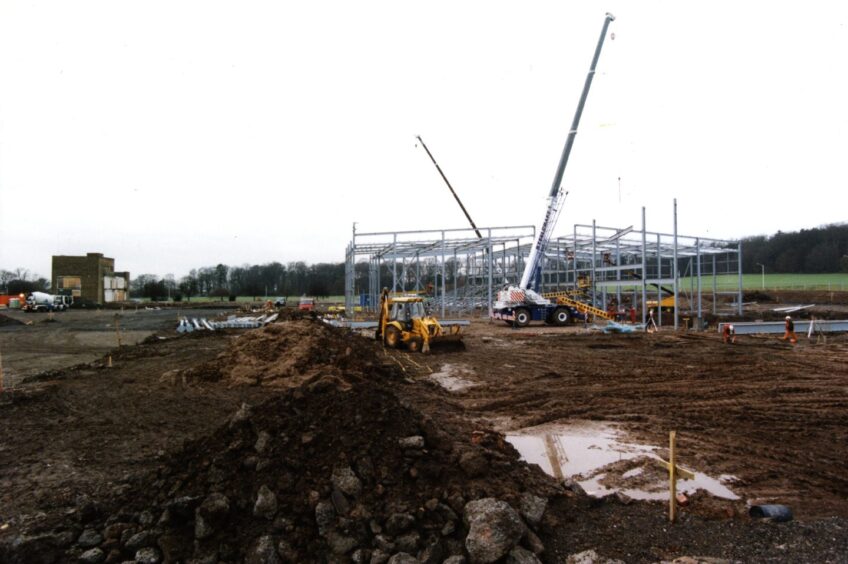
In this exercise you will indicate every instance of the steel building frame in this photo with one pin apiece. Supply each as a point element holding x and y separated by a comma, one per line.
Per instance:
<point>462,272</point>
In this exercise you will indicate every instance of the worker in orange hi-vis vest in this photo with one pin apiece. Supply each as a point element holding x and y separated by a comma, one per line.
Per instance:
<point>729,333</point>
<point>790,331</point>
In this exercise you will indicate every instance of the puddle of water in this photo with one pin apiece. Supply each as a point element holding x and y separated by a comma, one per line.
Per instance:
<point>589,453</point>
<point>451,377</point>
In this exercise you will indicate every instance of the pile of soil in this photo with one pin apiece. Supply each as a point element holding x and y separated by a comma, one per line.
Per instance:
<point>322,473</point>
<point>291,354</point>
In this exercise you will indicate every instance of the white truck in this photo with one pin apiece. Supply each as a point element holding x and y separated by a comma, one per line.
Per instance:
<point>42,301</point>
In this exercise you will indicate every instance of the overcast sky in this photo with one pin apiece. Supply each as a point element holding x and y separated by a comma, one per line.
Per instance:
<point>172,135</point>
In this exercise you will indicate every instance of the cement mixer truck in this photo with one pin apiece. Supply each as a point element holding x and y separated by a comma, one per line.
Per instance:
<point>41,301</point>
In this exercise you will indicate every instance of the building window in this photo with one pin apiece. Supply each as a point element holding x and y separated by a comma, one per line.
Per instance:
<point>69,285</point>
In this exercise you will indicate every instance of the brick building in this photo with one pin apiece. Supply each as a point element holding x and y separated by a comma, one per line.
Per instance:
<point>90,278</point>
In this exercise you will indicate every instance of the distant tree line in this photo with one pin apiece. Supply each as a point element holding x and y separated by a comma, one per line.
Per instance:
<point>258,280</point>
<point>810,251</point>
<point>22,281</point>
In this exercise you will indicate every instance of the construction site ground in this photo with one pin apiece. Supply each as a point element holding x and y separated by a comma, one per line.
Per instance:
<point>77,434</point>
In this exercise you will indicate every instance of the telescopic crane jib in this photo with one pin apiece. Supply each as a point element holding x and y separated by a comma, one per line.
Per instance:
<point>522,303</point>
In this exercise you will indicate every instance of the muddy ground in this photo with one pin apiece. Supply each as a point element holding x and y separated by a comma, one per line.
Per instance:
<point>770,414</point>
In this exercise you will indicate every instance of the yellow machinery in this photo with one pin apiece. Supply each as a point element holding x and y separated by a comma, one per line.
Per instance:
<point>563,298</point>
<point>405,322</point>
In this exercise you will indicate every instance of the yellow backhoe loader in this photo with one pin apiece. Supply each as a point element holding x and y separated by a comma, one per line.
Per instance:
<point>405,322</point>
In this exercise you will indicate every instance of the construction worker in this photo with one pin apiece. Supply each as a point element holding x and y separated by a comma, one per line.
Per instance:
<point>650,324</point>
<point>729,333</point>
<point>790,331</point>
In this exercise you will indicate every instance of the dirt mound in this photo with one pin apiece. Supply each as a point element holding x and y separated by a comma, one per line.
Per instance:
<point>290,354</point>
<point>320,474</point>
<point>6,320</point>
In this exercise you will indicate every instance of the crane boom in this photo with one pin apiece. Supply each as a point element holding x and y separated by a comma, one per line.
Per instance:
<point>445,178</point>
<point>533,267</point>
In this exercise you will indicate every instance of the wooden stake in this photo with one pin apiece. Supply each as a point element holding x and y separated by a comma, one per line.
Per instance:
<point>1,374</point>
<point>109,361</point>
<point>672,478</point>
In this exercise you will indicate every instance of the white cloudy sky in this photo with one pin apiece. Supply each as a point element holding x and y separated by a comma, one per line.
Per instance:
<point>171,135</point>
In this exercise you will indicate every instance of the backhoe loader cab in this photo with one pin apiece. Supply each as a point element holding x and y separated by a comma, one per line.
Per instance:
<point>404,321</point>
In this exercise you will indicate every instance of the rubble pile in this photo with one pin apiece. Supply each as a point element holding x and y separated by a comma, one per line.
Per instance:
<point>319,473</point>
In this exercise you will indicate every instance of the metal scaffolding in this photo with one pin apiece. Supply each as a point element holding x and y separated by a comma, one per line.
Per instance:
<point>607,267</point>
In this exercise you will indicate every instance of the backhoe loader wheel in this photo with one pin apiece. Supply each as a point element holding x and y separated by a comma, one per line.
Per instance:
<point>414,345</point>
<point>561,316</point>
<point>522,317</point>
<point>392,336</point>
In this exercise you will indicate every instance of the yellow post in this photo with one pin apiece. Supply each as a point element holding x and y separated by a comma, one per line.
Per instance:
<point>672,478</point>
<point>118,328</point>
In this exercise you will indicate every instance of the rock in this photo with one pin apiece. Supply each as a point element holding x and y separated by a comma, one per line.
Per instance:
<point>448,529</point>
<point>403,558</point>
<point>446,513</point>
<point>473,463</point>
<point>114,530</point>
<point>361,556</point>
<point>262,442</point>
<point>413,442</point>
<point>113,556</point>
<point>340,502</point>
<point>399,522</point>
<point>494,529</point>
<point>520,555</point>
<point>90,538</point>
<point>590,557</point>
<point>202,529</point>
<point>532,508</point>
<point>140,540</point>
<point>573,485</point>
<point>92,556</point>
<point>165,519</point>
<point>181,508</point>
<point>455,560</point>
<point>174,548</point>
<point>266,503</point>
<point>340,544</point>
<point>286,551</point>
<point>243,414</point>
<point>325,516</point>
<point>384,543</point>
<point>210,514</point>
<point>410,542</point>
<point>533,542</point>
<point>146,518</point>
<point>623,498</point>
<point>346,481</point>
<point>262,551</point>
<point>148,555</point>
<point>379,557</point>
<point>433,553</point>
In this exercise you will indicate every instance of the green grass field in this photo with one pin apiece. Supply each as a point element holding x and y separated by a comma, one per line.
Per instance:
<point>831,282</point>
<point>730,282</point>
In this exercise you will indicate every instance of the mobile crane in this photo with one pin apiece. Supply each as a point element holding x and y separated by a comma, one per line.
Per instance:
<point>519,305</point>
